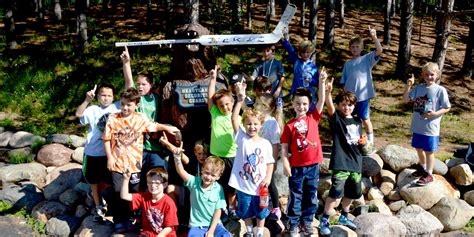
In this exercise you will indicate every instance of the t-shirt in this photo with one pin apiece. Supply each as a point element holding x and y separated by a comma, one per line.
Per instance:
<point>222,143</point>
<point>250,164</point>
<point>273,69</point>
<point>346,134</point>
<point>357,76</point>
<point>302,135</point>
<point>425,98</point>
<point>270,130</point>
<point>204,202</point>
<point>96,117</point>
<point>155,216</point>
<point>126,137</point>
<point>149,106</point>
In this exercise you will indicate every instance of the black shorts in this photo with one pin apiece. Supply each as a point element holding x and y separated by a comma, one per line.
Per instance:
<point>345,183</point>
<point>224,180</point>
<point>94,169</point>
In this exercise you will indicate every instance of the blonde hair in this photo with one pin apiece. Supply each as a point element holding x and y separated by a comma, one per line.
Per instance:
<point>253,113</point>
<point>430,66</point>
<point>202,143</point>
<point>271,102</point>
<point>216,163</point>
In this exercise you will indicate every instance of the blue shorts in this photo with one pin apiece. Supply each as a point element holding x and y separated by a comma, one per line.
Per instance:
<point>362,109</point>
<point>248,207</point>
<point>202,230</point>
<point>424,142</point>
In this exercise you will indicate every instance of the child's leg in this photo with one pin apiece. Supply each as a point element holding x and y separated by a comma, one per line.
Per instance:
<point>95,194</point>
<point>369,129</point>
<point>329,205</point>
<point>346,204</point>
<point>274,194</point>
<point>429,159</point>
<point>310,193</point>
<point>362,110</point>
<point>421,157</point>
<point>295,184</point>
<point>248,225</point>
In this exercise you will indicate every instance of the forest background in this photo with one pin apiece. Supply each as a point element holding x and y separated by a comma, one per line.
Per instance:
<point>53,51</point>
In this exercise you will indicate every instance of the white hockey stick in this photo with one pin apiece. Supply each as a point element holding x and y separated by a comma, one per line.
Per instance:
<point>240,39</point>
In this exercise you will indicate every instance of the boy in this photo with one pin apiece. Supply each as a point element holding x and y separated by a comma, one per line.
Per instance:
<point>220,105</point>
<point>123,142</point>
<point>273,70</point>
<point>158,209</point>
<point>430,102</point>
<point>346,159</point>
<point>357,78</point>
<point>207,197</point>
<point>94,167</point>
<point>301,137</point>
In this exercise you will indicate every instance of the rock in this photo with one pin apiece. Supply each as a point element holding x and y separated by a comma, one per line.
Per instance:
<point>469,197</point>
<point>405,177</point>
<point>453,213</point>
<point>23,139</point>
<point>5,138</point>
<point>371,165</point>
<point>62,225</point>
<point>440,167</point>
<point>45,210</point>
<point>91,228</point>
<point>70,197</point>
<point>366,184</point>
<point>375,193</point>
<point>378,205</point>
<point>24,196</point>
<point>14,154</point>
<point>2,129</point>
<point>4,153</point>
<point>35,172</point>
<point>81,211</point>
<point>462,174</point>
<point>78,155</point>
<point>324,167</point>
<point>82,188</point>
<point>419,222</point>
<point>61,179</point>
<point>429,195</point>
<point>54,155</point>
<point>324,184</point>
<point>377,224</point>
<point>11,225</point>
<point>394,195</point>
<point>281,181</point>
<point>388,181</point>
<point>342,231</point>
<point>397,205</point>
<point>67,140</point>
<point>397,157</point>
<point>455,161</point>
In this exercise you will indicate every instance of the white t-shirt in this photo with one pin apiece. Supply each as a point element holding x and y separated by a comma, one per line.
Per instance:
<point>250,164</point>
<point>270,130</point>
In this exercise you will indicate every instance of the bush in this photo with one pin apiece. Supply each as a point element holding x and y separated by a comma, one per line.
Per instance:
<point>19,157</point>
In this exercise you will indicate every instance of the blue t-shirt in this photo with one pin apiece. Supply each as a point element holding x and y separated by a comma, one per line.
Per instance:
<point>273,69</point>
<point>357,76</point>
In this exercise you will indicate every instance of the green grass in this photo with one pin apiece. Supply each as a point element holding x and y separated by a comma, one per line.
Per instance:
<point>469,226</point>
<point>8,209</point>
<point>19,158</point>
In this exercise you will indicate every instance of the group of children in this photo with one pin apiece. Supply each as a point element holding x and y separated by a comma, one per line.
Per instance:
<point>244,147</point>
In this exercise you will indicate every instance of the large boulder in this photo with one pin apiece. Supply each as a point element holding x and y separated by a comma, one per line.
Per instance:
<point>453,213</point>
<point>371,165</point>
<point>429,195</point>
<point>78,155</point>
<point>375,193</point>
<point>397,157</point>
<point>45,210</point>
<point>280,179</point>
<point>469,197</point>
<point>61,179</point>
<point>91,228</point>
<point>440,167</point>
<point>342,231</point>
<point>5,138</point>
<point>378,205</point>
<point>54,155</point>
<point>25,196</point>
<point>397,205</point>
<point>23,139</point>
<point>35,172</point>
<point>62,225</point>
<point>324,167</point>
<point>388,180</point>
<point>462,174</point>
<point>324,184</point>
<point>377,224</point>
<point>70,197</point>
<point>419,222</point>
<point>67,140</point>
<point>454,161</point>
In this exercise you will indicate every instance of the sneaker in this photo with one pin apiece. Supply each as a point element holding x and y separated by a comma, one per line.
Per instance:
<point>275,214</point>
<point>346,222</point>
<point>294,232</point>
<point>425,179</point>
<point>308,229</point>
<point>419,171</point>
<point>99,213</point>
<point>324,226</point>
<point>248,234</point>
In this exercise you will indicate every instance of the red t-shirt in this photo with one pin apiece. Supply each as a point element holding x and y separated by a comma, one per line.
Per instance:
<point>155,216</point>
<point>302,135</point>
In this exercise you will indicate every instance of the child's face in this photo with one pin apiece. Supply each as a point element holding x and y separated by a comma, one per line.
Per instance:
<point>225,105</point>
<point>259,92</point>
<point>252,126</point>
<point>356,49</point>
<point>301,105</point>
<point>345,108</point>
<point>143,85</point>
<point>429,76</point>
<point>155,185</point>
<point>268,54</point>
<point>209,175</point>
<point>200,153</point>
<point>127,107</point>
<point>105,96</point>
<point>305,55</point>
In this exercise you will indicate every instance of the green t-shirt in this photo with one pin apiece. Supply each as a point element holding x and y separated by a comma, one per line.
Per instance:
<point>149,106</point>
<point>204,203</point>
<point>222,141</point>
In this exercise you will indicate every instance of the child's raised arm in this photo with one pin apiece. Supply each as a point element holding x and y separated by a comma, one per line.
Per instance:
<point>240,90</point>
<point>329,103</point>
<point>177,156</point>
<point>211,90</point>
<point>127,69</point>
<point>124,193</point>
<point>172,148</point>
<point>89,98</point>
<point>406,92</point>
<point>322,89</point>
<point>378,46</point>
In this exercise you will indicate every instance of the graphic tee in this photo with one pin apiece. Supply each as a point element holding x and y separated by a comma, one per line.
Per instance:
<point>346,134</point>
<point>155,216</point>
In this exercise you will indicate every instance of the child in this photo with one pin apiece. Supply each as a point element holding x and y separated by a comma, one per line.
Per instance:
<point>271,131</point>
<point>301,136</point>
<point>346,159</point>
<point>200,151</point>
<point>149,103</point>
<point>207,197</point>
<point>305,71</point>
<point>262,86</point>
<point>253,165</point>
<point>158,209</point>
<point>357,78</point>
<point>220,105</point>
<point>123,142</point>
<point>94,167</point>
<point>430,102</point>
<point>273,70</point>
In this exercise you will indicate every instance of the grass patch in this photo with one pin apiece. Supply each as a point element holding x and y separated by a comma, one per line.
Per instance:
<point>8,124</point>
<point>469,226</point>
<point>8,209</point>
<point>19,157</point>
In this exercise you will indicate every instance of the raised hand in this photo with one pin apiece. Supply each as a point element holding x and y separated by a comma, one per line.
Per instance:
<point>411,80</point>
<point>91,94</point>
<point>213,72</point>
<point>329,84</point>
<point>323,75</point>
<point>125,56</point>
<point>372,33</point>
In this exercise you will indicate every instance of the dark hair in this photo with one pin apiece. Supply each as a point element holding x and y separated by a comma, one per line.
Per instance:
<point>303,91</point>
<point>346,96</point>
<point>269,46</point>
<point>262,83</point>
<point>160,172</point>
<point>148,76</point>
<point>356,40</point>
<point>130,94</point>
<point>105,85</point>
<point>221,93</point>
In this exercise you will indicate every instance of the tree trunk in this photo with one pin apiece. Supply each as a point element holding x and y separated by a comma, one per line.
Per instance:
<point>341,14</point>
<point>81,20</point>
<point>272,7</point>
<point>128,8</point>
<point>58,10</point>
<point>468,65</point>
<point>39,9</point>
<point>169,16</point>
<point>387,37</point>
<point>329,25</point>
<point>303,7</point>
<point>10,32</point>
<point>149,14</point>
<point>249,14</point>
<point>404,47</point>
<point>284,3</point>
<point>236,7</point>
<point>191,11</point>
<point>443,25</point>
<point>313,24</point>
<point>216,13</point>
<point>394,8</point>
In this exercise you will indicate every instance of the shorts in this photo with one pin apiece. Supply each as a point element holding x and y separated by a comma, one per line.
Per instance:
<point>94,169</point>
<point>362,109</point>
<point>424,142</point>
<point>224,180</point>
<point>248,207</point>
<point>345,183</point>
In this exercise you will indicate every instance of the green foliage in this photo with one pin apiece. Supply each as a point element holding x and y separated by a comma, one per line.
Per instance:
<point>469,226</point>
<point>37,144</point>
<point>8,209</point>
<point>7,123</point>
<point>5,207</point>
<point>19,158</point>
